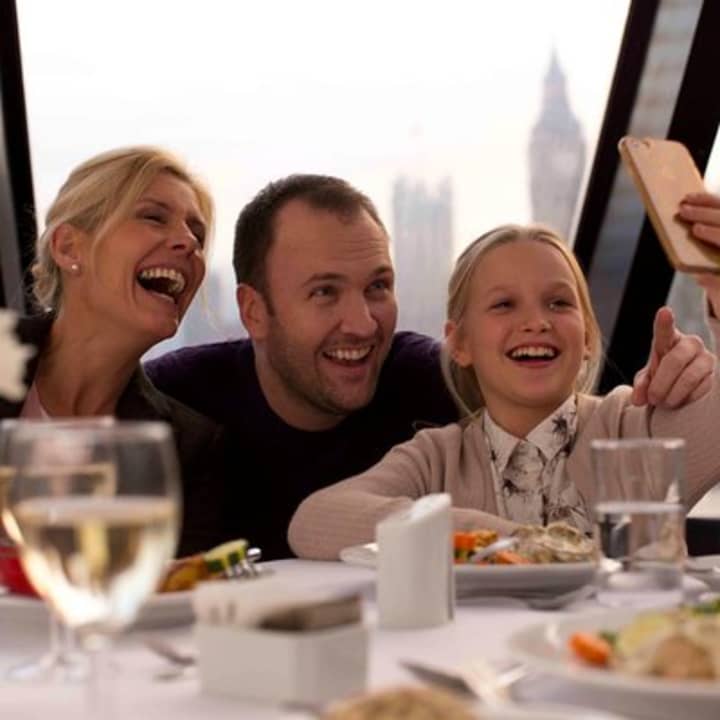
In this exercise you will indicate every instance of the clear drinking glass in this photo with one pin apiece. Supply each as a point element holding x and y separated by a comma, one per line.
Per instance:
<point>61,661</point>
<point>97,512</point>
<point>640,520</point>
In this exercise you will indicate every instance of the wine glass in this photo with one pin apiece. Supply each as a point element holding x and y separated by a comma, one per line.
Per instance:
<point>60,661</point>
<point>97,512</point>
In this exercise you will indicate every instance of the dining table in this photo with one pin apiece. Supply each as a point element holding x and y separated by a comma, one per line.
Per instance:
<point>139,686</point>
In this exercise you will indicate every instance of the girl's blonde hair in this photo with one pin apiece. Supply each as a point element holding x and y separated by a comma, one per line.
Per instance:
<point>461,381</point>
<point>98,195</point>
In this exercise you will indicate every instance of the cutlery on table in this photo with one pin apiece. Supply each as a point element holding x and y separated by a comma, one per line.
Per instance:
<point>502,544</point>
<point>180,660</point>
<point>535,601</point>
<point>561,600</point>
<point>702,564</point>
<point>491,686</point>
<point>497,682</point>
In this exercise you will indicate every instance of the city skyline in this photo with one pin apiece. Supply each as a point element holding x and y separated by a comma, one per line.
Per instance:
<point>422,218</point>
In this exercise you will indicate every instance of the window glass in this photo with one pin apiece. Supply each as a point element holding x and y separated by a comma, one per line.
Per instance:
<point>685,296</point>
<point>452,116</point>
<point>686,301</point>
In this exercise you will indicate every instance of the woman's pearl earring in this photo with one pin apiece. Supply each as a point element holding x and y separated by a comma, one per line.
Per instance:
<point>75,269</point>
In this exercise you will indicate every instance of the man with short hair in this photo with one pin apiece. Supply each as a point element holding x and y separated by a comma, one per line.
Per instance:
<point>324,387</point>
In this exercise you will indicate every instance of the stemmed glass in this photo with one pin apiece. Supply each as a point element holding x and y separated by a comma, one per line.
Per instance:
<point>59,661</point>
<point>96,511</point>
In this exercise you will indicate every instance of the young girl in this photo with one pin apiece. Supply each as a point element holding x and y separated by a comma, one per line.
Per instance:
<point>522,351</point>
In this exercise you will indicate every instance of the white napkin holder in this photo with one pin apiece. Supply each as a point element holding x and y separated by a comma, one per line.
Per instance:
<point>237,658</point>
<point>415,580</point>
<point>308,667</point>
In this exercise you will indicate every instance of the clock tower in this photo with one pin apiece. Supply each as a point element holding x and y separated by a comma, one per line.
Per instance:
<point>557,155</point>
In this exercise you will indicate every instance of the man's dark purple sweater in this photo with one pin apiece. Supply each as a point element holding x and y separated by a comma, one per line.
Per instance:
<point>271,466</point>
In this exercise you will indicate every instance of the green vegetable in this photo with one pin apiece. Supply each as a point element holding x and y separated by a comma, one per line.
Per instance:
<point>609,637</point>
<point>225,556</point>
<point>711,607</point>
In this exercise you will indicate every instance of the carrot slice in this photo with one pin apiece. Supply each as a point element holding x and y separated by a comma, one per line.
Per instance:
<point>590,647</point>
<point>508,557</point>
<point>464,541</point>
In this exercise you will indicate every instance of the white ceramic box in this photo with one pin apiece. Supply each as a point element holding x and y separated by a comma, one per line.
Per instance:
<point>309,667</point>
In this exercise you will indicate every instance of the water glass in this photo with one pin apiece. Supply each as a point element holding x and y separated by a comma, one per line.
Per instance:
<point>640,521</point>
<point>95,512</point>
<point>60,661</point>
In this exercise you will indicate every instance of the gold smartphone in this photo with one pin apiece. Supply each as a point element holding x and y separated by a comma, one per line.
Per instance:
<point>664,172</point>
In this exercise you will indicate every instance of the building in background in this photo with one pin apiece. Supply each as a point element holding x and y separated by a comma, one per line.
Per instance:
<point>556,155</point>
<point>210,318</point>
<point>422,234</point>
<point>204,320</point>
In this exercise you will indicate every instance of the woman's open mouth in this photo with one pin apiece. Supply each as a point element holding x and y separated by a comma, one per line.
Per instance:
<point>165,282</point>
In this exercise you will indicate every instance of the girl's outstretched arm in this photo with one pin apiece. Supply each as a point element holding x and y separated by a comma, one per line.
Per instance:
<point>437,460</point>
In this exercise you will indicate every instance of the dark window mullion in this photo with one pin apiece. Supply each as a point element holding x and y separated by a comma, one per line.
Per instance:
<point>694,123</point>
<point>620,104</point>
<point>16,156</point>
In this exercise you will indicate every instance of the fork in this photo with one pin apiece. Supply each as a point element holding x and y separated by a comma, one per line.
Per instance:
<point>491,687</point>
<point>168,651</point>
<point>180,661</point>
<point>467,680</point>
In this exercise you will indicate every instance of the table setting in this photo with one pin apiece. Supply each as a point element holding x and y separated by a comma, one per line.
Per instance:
<point>91,512</point>
<point>489,629</point>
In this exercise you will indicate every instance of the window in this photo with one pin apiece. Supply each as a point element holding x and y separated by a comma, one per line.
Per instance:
<point>685,300</point>
<point>685,297</point>
<point>452,116</point>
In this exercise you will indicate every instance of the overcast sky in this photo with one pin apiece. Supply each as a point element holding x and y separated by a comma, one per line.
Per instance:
<point>250,91</point>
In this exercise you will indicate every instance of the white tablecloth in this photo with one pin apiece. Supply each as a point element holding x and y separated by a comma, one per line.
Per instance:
<point>480,628</point>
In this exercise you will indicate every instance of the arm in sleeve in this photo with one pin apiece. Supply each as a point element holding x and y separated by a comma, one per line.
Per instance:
<point>698,423</point>
<point>346,513</point>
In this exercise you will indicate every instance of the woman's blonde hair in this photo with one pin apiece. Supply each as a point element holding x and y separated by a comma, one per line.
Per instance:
<point>461,381</point>
<point>99,194</point>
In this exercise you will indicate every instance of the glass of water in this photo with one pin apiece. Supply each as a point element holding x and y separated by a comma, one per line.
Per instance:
<point>640,521</point>
<point>96,513</point>
<point>60,661</point>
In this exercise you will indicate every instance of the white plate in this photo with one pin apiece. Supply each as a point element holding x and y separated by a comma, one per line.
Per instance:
<point>516,580</point>
<point>161,610</point>
<point>166,609</point>
<point>705,568</point>
<point>544,646</point>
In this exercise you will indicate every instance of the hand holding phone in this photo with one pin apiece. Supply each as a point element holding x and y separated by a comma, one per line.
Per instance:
<point>664,173</point>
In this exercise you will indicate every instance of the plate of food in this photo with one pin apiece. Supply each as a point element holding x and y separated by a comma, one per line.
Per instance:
<point>171,604</point>
<point>543,561</point>
<point>673,653</point>
<point>424,703</point>
<point>705,568</point>
<point>160,610</point>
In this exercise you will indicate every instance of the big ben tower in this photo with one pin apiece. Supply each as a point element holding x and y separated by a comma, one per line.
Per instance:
<point>557,155</point>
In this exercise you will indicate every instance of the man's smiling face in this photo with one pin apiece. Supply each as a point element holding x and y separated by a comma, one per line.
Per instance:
<point>331,314</point>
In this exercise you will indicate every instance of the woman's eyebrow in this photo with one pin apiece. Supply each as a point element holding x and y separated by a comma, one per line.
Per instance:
<point>192,216</point>
<point>154,201</point>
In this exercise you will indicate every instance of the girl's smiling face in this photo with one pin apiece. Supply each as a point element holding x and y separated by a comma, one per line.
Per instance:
<point>523,332</point>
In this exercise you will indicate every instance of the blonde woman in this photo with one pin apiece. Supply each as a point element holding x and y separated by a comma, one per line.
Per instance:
<point>523,348</point>
<point>120,259</point>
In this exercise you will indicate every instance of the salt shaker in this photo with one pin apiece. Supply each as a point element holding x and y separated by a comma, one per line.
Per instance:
<point>415,568</point>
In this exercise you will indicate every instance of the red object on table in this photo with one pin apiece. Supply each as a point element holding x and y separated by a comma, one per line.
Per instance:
<point>12,575</point>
